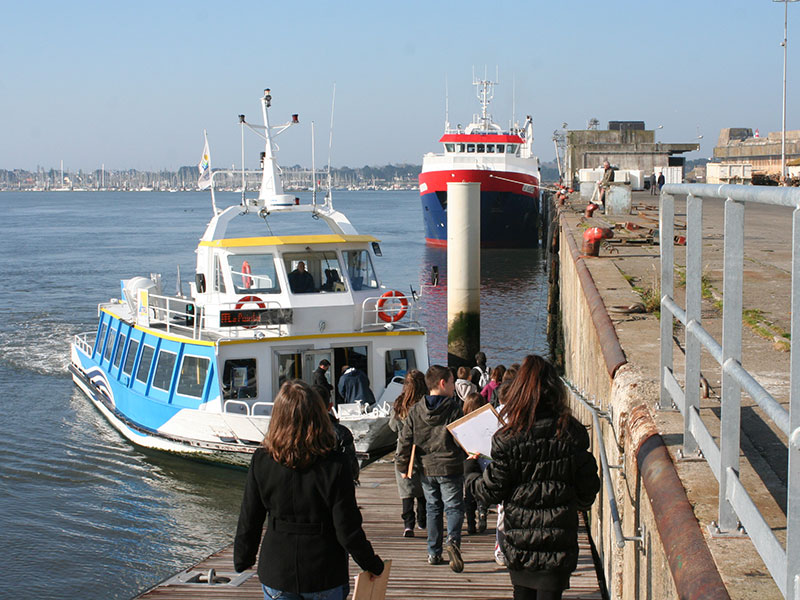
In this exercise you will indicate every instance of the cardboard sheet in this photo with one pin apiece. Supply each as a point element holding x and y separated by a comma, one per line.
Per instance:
<point>474,431</point>
<point>368,588</point>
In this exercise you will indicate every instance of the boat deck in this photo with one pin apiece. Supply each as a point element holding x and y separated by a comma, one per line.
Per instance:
<point>411,576</point>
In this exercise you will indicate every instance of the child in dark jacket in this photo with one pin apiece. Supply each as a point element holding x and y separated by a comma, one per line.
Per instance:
<point>442,463</point>
<point>472,402</point>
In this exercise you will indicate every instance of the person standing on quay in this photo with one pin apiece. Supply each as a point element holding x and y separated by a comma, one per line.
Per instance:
<point>543,473</point>
<point>426,430</point>
<point>304,486</point>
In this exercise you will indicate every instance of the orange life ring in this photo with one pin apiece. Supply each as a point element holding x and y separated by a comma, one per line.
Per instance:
<point>247,282</point>
<point>244,300</point>
<point>396,315</point>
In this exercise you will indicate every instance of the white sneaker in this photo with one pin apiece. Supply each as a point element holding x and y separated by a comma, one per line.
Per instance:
<point>499,557</point>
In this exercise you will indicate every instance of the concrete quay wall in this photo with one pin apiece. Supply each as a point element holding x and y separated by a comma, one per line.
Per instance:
<point>672,560</point>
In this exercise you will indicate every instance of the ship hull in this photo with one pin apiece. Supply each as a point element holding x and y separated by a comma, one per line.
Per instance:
<point>509,216</point>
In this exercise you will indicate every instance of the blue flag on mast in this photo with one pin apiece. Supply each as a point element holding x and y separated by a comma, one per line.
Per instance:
<point>204,181</point>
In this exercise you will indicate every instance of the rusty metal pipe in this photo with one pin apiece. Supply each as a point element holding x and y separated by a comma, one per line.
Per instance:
<point>693,569</point>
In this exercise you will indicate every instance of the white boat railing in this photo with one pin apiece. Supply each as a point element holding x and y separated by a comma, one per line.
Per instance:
<point>179,314</point>
<point>82,342</point>
<point>389,312</point>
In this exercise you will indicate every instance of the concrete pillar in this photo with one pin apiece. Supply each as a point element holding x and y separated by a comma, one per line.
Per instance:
<point>463,273</point>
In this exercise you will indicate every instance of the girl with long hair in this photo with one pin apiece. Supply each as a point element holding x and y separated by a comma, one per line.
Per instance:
<point>304,487</point>
<point>543,473</point>
<point>409,490</point>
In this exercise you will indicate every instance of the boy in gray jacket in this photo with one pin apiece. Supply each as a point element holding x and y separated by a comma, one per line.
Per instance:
<point>442,463</point>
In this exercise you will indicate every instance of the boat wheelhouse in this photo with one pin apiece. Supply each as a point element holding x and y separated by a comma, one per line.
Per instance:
<point>506,168</point>
<point>197,373</point>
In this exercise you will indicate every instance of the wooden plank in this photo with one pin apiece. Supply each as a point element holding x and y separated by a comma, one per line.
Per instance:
<point>411,576</point>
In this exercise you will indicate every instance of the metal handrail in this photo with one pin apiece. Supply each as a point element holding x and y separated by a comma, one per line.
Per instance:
<point>81,341</point>
<point>167,316</point>
<point>607,482</point>
<point>736,509</point>
<point>370,310</point>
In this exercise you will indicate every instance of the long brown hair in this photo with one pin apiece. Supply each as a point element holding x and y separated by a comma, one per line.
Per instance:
<point>536,389</point>
<point>414,388</point>
<point>300,430</point>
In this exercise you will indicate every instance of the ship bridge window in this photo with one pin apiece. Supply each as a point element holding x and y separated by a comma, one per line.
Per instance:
<point>501,148</point>
<point>481,148</point>
<point>127,368</point>
<point>192,378</point>
<point>219,278</point>
<point>398,363</point>
<point>460,147</point>
<point>490,148</point>
<point>512,148</point>
<point>359,268</point>
<point>314,272</point>
<point>239,379</point>
<point>162,378</point>
<point>470,148</point>
<point>449,147</point>
<point>254,273</point>
<point>144,363</point>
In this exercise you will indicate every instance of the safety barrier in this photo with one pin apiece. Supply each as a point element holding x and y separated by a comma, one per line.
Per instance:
<point>736,510</point>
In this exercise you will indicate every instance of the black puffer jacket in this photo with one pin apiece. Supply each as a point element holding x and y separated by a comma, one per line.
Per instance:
<point>542,480</point>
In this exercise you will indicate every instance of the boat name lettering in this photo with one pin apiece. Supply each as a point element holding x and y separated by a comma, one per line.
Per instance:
<point>265,316</point>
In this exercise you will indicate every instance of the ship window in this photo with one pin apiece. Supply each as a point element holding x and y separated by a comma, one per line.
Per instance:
<point>120,348</point>
<point>320,272</point>
<point>254,273</point>
<point>490,148</point>
<point>290,366</point>
<point>219,279</point>
<point>449,147</point>
<point>164,368</point>
<point>144,363</point>
<point>501,148</point>
<point>481,148</point>
<point>127,368</point>
<point>192,379</point>
<point>359,268</point>
<point>512,148</point>
<point>470,148</point>
<point>110,344</point>
<point>98,346</point>
<point>398,363</point>
<point>239,379</point>
<point>460,147</point>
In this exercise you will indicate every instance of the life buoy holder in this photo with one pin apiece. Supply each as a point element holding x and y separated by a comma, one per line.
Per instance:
<point>395,315</point>
<point>247,282</point>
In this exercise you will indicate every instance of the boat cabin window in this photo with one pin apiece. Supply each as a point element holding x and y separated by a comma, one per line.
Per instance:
<point>359,268</point>
<point>481,148</point>
<point>239,379</point>
<point>127,368</point>
<point>98,346</point>
<point>490,148</point>
<point>501,148</point>
<point>144,363</point>
<point>290,366</point>
<point>460,147</point>
<point>314,272</point>
<point>512,148</point>
<point>398,363</point>
<point>192,379</point>
<point>164,368</point>
<point>449,147</point>
<point>254,273</point>
<point>470,148</point>
<point>120,348</point>
<point>110,344</point>
<point>219,279</point>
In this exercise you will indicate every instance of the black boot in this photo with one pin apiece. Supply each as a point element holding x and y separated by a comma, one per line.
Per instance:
<point>422,513</point>
<point>408,517</point>
<point>481,519</point>
<point>470,514</point>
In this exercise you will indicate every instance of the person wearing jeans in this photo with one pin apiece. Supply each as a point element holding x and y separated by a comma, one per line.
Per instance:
<point>425,432</point>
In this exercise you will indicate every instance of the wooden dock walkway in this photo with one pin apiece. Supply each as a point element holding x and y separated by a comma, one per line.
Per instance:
<point>411,577</point>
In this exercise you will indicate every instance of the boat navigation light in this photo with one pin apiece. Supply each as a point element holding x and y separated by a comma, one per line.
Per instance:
<point>295,119</point>
<point>267,97</point>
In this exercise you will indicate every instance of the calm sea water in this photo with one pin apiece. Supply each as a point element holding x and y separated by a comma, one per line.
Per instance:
<point>83,513</point>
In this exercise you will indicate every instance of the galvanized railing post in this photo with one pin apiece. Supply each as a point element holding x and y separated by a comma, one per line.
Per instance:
<point>666,229</point>
<point>694,273</point>
<point>793,485</point>
<point>733,244</point>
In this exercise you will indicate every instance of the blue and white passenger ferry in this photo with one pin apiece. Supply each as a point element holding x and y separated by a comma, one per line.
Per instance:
<point>196,374</point>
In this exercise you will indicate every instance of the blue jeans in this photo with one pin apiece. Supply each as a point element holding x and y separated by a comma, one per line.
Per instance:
<point>337,593</point>
<point>443,493</point>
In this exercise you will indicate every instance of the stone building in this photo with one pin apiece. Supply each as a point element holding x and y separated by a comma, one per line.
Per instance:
<point>738,145</point>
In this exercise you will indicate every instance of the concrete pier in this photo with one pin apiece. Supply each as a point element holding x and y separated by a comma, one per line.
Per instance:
<point>463,273</point>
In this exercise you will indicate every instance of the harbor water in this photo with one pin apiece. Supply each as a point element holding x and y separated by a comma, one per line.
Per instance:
<point>83,513</point>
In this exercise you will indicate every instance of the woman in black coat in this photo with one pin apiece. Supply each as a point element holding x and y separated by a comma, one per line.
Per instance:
<point>304,489</point>
<point>543,473</point>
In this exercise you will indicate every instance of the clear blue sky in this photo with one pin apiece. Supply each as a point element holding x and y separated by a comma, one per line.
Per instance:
<point>134,85</point>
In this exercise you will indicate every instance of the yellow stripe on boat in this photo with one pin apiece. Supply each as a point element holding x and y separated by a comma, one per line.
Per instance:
<point>283,240</point>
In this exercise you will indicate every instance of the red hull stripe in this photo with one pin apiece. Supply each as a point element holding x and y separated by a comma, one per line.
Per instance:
<point>495,181</point>
<point>482,137</point>
<point>440,243</point>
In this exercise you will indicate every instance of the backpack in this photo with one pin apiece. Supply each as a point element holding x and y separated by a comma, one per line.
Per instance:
<point>483,380</point>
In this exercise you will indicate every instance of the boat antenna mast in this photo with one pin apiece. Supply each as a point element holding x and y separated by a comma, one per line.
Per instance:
<point>328,196</point>
<point>485,91</point>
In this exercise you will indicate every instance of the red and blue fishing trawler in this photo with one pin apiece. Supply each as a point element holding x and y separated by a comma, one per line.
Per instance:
<point>503,163</point>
